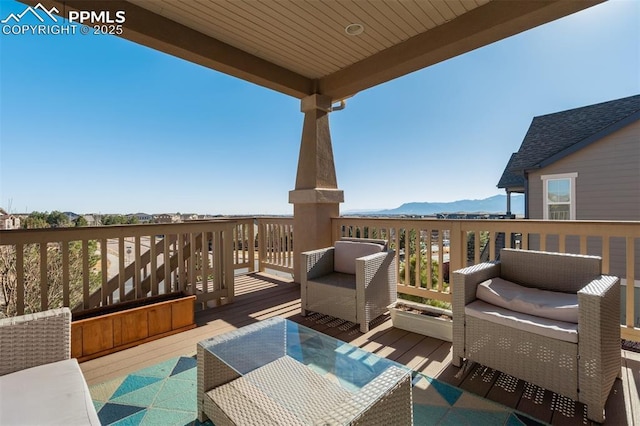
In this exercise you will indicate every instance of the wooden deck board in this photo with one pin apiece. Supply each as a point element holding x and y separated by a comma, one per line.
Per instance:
<point>536,402</point>
<point>480,380</point>
<point>631,387</point>
<point>428,357</point>
<point>262,296</point>
<point>507,390</point>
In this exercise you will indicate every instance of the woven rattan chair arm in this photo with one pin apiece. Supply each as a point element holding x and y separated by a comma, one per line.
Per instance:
<point>601,286</point>
<point>34,339</point>
<point>317,263</point>
<point>599,309</point>
<point>373,264</point>
<point>466,280</point>
<point>599,341</point>
<point>376,273</point>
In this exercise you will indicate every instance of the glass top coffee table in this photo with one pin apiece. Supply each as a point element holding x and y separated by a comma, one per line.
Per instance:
<point>279,372</point>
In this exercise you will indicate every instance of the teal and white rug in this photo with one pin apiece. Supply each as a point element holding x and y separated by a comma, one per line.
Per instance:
<point>165,394</point>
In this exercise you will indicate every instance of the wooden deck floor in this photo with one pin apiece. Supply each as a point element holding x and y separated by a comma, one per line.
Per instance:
<point>261,296</point>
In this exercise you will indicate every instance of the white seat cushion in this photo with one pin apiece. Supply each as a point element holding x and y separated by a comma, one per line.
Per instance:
<point>51,394</point>
<point>346,253</point>
<point>337,279</point>
<point>533,301</point>
<point>561,330</point>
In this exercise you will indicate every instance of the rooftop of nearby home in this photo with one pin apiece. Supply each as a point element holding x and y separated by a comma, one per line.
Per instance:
<point>553,136</point>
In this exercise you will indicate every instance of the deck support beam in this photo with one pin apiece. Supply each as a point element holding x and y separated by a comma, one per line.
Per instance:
<point>316,198</point>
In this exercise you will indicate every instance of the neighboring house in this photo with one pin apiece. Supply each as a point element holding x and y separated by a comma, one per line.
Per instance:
<point>91,220</point>
<point>72,216</point>
<point>581,164</point>
<point>208,216</point>
<point>166,218</point>
<point>142,217</point>
<point>9,221</point>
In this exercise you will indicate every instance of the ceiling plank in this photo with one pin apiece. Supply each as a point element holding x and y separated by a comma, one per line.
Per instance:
<point>486,24</point>
<point>154,31</point>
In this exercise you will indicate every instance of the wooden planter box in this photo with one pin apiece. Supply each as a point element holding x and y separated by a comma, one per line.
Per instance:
<point>102,331</point>
<point>422,319</point>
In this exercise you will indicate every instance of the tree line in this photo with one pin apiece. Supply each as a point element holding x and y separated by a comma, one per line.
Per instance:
<point>57,219</point>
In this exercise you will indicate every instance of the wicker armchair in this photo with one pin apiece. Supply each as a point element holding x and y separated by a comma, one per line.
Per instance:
<point>35,339</point>
<point>355,280</point>
<point>582,367</point>
<point>43,384</point>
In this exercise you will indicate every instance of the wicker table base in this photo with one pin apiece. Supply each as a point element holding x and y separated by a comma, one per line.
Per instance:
<point>299,377</point>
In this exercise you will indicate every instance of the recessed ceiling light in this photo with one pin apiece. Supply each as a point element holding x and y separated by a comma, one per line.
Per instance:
<point>354,29</point>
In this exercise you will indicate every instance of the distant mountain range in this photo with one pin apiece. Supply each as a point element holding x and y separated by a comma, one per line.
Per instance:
<point>495,204</point>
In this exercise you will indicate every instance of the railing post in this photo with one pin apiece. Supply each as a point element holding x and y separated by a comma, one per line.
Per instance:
<point>85,274</point>
<point>182,273</point>
<point>137,248</point>
<point>20,279</point>
<point>44,284</point>
<point>226,249</point>
<point>335,229</point>
<point>192,289</point>
<point>630,278</point>
<point>262,251</point>
<point>457,244</point>
<point>66,300</point>
<point>251,241</point>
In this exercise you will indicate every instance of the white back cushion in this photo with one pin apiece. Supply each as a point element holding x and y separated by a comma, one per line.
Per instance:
<point>554,329</point>
<point>346,253</point>
<point>542,303</point>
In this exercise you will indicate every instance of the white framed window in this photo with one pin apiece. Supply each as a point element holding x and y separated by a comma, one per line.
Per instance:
<point>559,196</point>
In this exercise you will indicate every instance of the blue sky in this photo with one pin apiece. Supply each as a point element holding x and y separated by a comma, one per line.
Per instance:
<point>100,124</point>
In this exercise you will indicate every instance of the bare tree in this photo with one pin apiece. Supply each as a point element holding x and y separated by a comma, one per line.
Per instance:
<point>54,285</point>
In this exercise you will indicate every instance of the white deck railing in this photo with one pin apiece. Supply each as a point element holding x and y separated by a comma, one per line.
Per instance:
<point>275,242</point>
<point>96,266</point>
<point>87,267</point>
<point>463,242</point>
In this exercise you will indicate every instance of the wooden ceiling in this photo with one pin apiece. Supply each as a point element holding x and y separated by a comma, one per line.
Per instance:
<point>309,37</point>
<point>300,47</point>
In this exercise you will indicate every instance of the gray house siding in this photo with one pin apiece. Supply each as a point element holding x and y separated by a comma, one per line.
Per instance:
<point>608,182</point>
<point>607,188</point>
<point>600,145</point>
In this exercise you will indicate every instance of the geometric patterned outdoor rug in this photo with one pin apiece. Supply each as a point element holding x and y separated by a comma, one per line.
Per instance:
<point>165,394</point>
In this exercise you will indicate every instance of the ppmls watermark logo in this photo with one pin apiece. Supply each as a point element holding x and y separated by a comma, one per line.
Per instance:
<point>78,21</point>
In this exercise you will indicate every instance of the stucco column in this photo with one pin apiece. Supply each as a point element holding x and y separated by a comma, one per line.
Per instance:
<point>316,197</point>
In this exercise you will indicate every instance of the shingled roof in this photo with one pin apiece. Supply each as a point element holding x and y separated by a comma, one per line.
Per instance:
<point>554,136</point>
<point>510,179</point>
